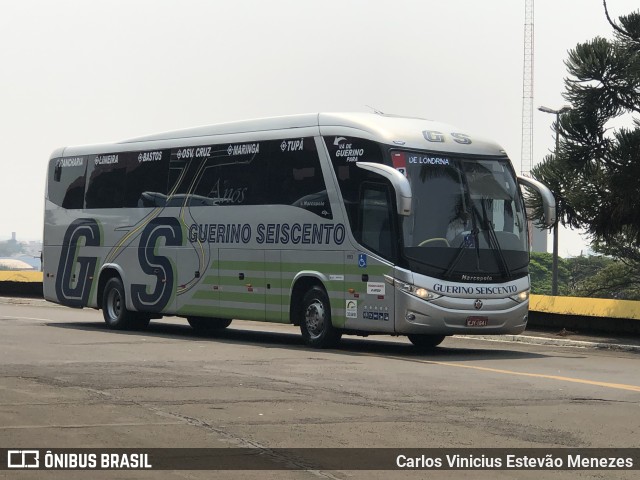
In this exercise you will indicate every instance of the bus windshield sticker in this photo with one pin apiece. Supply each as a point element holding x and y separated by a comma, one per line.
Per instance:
<point>400,162</point>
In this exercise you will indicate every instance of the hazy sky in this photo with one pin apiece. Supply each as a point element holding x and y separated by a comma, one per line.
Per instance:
<point>79,72</point>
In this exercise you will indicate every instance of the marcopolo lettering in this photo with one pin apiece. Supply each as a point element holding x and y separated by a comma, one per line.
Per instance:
<point>477,278</point>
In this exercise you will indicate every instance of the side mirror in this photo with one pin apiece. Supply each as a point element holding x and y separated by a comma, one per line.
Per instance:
<point>548,200</point>
<point>400,184</point>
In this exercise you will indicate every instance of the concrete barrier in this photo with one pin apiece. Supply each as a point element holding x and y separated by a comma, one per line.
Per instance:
<point>588,307</point>
<point>24,276</point>
<point>21,283</point>
<point>585,314</point>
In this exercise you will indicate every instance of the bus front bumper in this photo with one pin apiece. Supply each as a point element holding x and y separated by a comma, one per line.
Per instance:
<point>494,317</point>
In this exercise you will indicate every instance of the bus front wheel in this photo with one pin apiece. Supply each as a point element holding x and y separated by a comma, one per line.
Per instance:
<point>114,309</point>
<point>315,324</point>
<point>426,342</point>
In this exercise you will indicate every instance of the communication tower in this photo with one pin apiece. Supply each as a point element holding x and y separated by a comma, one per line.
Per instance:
<point>526,152</point>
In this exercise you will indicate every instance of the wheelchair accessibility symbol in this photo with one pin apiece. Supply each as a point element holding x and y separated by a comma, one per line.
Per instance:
<point>362,260</point>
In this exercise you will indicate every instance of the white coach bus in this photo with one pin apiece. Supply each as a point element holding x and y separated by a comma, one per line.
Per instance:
<point>339,223</point>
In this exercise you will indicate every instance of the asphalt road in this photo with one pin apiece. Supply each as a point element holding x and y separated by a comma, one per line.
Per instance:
<point>67,381</point>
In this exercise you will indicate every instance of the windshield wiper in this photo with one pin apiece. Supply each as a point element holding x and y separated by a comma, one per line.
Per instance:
<point>460,253</point>
<point>493,239</point>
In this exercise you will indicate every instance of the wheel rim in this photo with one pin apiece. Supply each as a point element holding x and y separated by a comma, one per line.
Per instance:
<point>114,304</point>
<point>314,319</point>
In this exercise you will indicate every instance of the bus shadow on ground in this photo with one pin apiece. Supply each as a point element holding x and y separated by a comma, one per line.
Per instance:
<point>349,345</point>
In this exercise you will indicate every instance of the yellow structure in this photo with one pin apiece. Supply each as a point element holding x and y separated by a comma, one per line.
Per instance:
<point>588,307</point>
<point>21,276</point>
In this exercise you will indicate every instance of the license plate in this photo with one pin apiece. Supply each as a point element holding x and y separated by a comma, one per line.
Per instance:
<point>477,321</point>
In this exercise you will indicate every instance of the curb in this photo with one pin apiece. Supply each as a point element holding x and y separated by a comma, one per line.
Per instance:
<point>556,342</point>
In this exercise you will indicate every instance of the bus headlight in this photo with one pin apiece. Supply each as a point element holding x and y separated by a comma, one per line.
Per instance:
<point>521,297</point>
<point>419,292</point>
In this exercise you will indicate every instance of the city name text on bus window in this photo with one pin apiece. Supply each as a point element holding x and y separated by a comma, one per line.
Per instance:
<point>420,159</point>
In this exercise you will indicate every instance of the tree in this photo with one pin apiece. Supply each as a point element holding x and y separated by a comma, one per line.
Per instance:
<point>594,276</point>
<point>540,272</point>
<point>603,277</point>
<point>595,173</point>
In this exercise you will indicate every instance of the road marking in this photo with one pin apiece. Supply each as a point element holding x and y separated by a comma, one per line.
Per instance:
<point>91,425</point>
<point>2,317</point>
<point>618,386</point>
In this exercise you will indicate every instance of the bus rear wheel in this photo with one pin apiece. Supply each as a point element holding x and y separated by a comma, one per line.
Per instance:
<point>114,308</point>
<point>315,324</point>
<point>206,324</point>
<point>426,342</point>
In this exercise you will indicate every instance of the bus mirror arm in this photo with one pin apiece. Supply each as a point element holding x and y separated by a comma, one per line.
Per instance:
<point>548,200</point>
<point>400,184</point>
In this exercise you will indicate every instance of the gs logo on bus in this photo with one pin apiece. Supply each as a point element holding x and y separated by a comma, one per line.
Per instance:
<point>156,265</point>
<point>74,290</point>
<point>77,296</point>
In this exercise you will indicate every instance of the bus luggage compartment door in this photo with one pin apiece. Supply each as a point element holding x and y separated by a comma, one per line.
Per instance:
<point>242,283</point>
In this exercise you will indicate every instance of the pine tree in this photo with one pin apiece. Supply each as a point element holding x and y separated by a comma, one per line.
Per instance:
<point>596,172</point>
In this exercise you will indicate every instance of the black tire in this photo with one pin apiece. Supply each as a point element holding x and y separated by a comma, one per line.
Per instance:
<point>426,342</point>
<point>114,309</point>
<point>206,324</point>
<point>315,320</point>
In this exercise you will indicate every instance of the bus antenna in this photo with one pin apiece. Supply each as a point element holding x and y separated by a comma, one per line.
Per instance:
<point>375,110</point>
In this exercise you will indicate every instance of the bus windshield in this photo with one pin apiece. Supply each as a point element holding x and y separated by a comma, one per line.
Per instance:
<point>467,221</point>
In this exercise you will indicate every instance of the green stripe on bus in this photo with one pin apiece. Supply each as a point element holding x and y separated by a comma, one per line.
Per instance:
<point>329,268</point>
<point>255,282</point>
<point>241,297</point>
<point>235,313</point>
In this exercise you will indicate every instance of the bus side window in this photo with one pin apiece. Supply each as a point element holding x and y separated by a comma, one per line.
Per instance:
<point>66,182</point>
<point>295,177</point>
<point>105,181</point>
<point>146,179</point>
<point>375,220</point>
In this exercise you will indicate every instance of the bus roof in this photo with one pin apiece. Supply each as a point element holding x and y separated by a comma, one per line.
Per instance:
<point>405,132</point>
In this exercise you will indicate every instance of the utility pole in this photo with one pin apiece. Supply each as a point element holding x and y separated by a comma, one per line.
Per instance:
<point>554,268</point>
